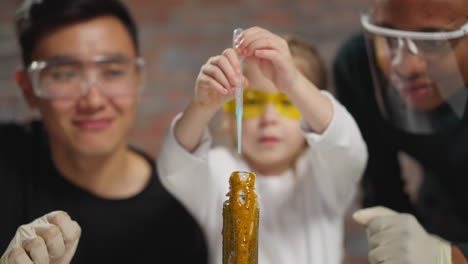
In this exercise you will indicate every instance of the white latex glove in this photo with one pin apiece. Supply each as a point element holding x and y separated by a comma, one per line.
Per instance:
<point>50,239</point>
<point>396,238</point>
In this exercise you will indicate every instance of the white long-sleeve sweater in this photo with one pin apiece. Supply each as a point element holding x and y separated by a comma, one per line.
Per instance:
<point>301,210</point>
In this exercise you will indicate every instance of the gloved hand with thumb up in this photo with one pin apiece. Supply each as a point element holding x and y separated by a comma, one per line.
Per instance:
<point>397,238</point>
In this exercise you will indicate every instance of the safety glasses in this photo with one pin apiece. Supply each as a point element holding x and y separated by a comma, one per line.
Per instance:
<point>70,78</point>
<point>255,103</point>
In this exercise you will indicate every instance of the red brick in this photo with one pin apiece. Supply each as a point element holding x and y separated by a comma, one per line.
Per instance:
<point>273,17</point>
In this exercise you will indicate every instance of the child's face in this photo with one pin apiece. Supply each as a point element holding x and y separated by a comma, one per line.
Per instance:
<point>270,139</point>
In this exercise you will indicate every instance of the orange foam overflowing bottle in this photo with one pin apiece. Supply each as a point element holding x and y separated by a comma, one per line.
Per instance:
<point>240,220</point>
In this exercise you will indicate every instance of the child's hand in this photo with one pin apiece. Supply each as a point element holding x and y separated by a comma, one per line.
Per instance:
<point>271,53</point>
<point>217,80</point>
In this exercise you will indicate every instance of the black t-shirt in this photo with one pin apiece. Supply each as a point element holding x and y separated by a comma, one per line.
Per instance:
<point>150,227</point>
<point>442,204</point>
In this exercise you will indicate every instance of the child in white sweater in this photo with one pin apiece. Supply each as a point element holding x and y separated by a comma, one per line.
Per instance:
<point>305,148</point>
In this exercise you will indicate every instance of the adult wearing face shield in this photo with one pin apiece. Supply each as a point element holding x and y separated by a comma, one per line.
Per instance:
<point>404,79</point>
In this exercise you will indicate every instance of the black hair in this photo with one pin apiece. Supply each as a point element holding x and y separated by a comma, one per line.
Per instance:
<point>35,18</point>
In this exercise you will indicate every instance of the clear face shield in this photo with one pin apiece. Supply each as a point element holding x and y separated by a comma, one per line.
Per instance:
<point>420,78</point>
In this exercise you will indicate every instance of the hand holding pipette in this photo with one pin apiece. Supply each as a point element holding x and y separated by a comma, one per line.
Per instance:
<point>215,86</point>
<point>271,53</point>
<point>272,56</point>
<point>217,80</point>
<point>220,75</point>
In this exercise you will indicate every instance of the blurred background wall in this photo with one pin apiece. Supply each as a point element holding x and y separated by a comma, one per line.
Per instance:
<point>178,36</point>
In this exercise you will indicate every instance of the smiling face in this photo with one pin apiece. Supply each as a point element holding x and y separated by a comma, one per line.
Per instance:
<point>270,142</point>
<point>424,79</point>
<point>93,124</point>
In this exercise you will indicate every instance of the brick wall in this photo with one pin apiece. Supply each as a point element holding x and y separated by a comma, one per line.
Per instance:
<point>178,36</point>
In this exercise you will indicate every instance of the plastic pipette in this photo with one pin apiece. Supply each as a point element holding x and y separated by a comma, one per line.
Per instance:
<point>239,96</point>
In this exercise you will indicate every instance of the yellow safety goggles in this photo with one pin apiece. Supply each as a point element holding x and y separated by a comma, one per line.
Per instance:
<point>255,102</point>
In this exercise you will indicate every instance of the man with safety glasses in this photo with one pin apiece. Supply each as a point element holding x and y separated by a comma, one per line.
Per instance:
<point>405,79</point>
<point>71,188</point>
